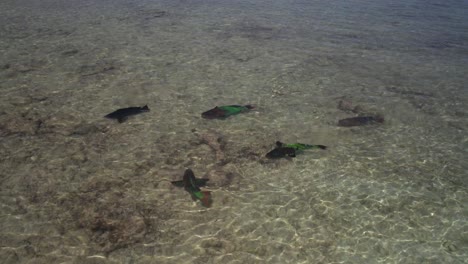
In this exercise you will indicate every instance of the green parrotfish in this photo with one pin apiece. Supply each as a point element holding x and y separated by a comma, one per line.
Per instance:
<point>192,186</point>
<point>221,112</point>
<point>290,150</point>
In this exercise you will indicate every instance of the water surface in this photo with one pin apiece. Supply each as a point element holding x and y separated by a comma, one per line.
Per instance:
<point>79,188</point>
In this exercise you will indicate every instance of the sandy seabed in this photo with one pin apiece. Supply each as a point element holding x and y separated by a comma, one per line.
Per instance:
<point>79,188</point>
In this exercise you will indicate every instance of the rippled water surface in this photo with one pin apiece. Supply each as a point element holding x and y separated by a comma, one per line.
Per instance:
<point>80,188</point>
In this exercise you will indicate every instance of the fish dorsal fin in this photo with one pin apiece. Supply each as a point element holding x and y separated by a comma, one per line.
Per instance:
<point>200,182</point>
<point>279,144</point>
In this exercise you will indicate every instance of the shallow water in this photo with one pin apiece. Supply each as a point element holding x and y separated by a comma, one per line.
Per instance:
<point>79,188</point>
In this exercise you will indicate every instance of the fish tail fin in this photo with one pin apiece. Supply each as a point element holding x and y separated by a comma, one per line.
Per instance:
<point>206,199</point>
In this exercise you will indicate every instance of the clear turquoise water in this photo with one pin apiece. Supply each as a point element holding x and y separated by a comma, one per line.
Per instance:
<point>78,188</point>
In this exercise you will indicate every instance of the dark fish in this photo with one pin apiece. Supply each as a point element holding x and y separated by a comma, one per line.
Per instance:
<point>191,185</point>
<point>281,152</point>
<point>122,114</point>
<point>299,146</point>
<point>221,112</point>
<point>290,150</point>
<point>360,121</point>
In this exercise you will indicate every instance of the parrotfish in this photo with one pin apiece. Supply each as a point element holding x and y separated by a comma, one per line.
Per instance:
<point>221,112</point>
<point>192,186</point>
<point>290,150</point>
<point>360,121</point>
<point>299,146</point>
<point>122,114</point>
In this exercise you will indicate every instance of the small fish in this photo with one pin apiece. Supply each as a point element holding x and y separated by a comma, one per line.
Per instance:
<point>191,185</point>
<point>299,146</point>
<point>221,112</point>
<point>290,150</point>
<point>360,121</point>
<point>122,114</point>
